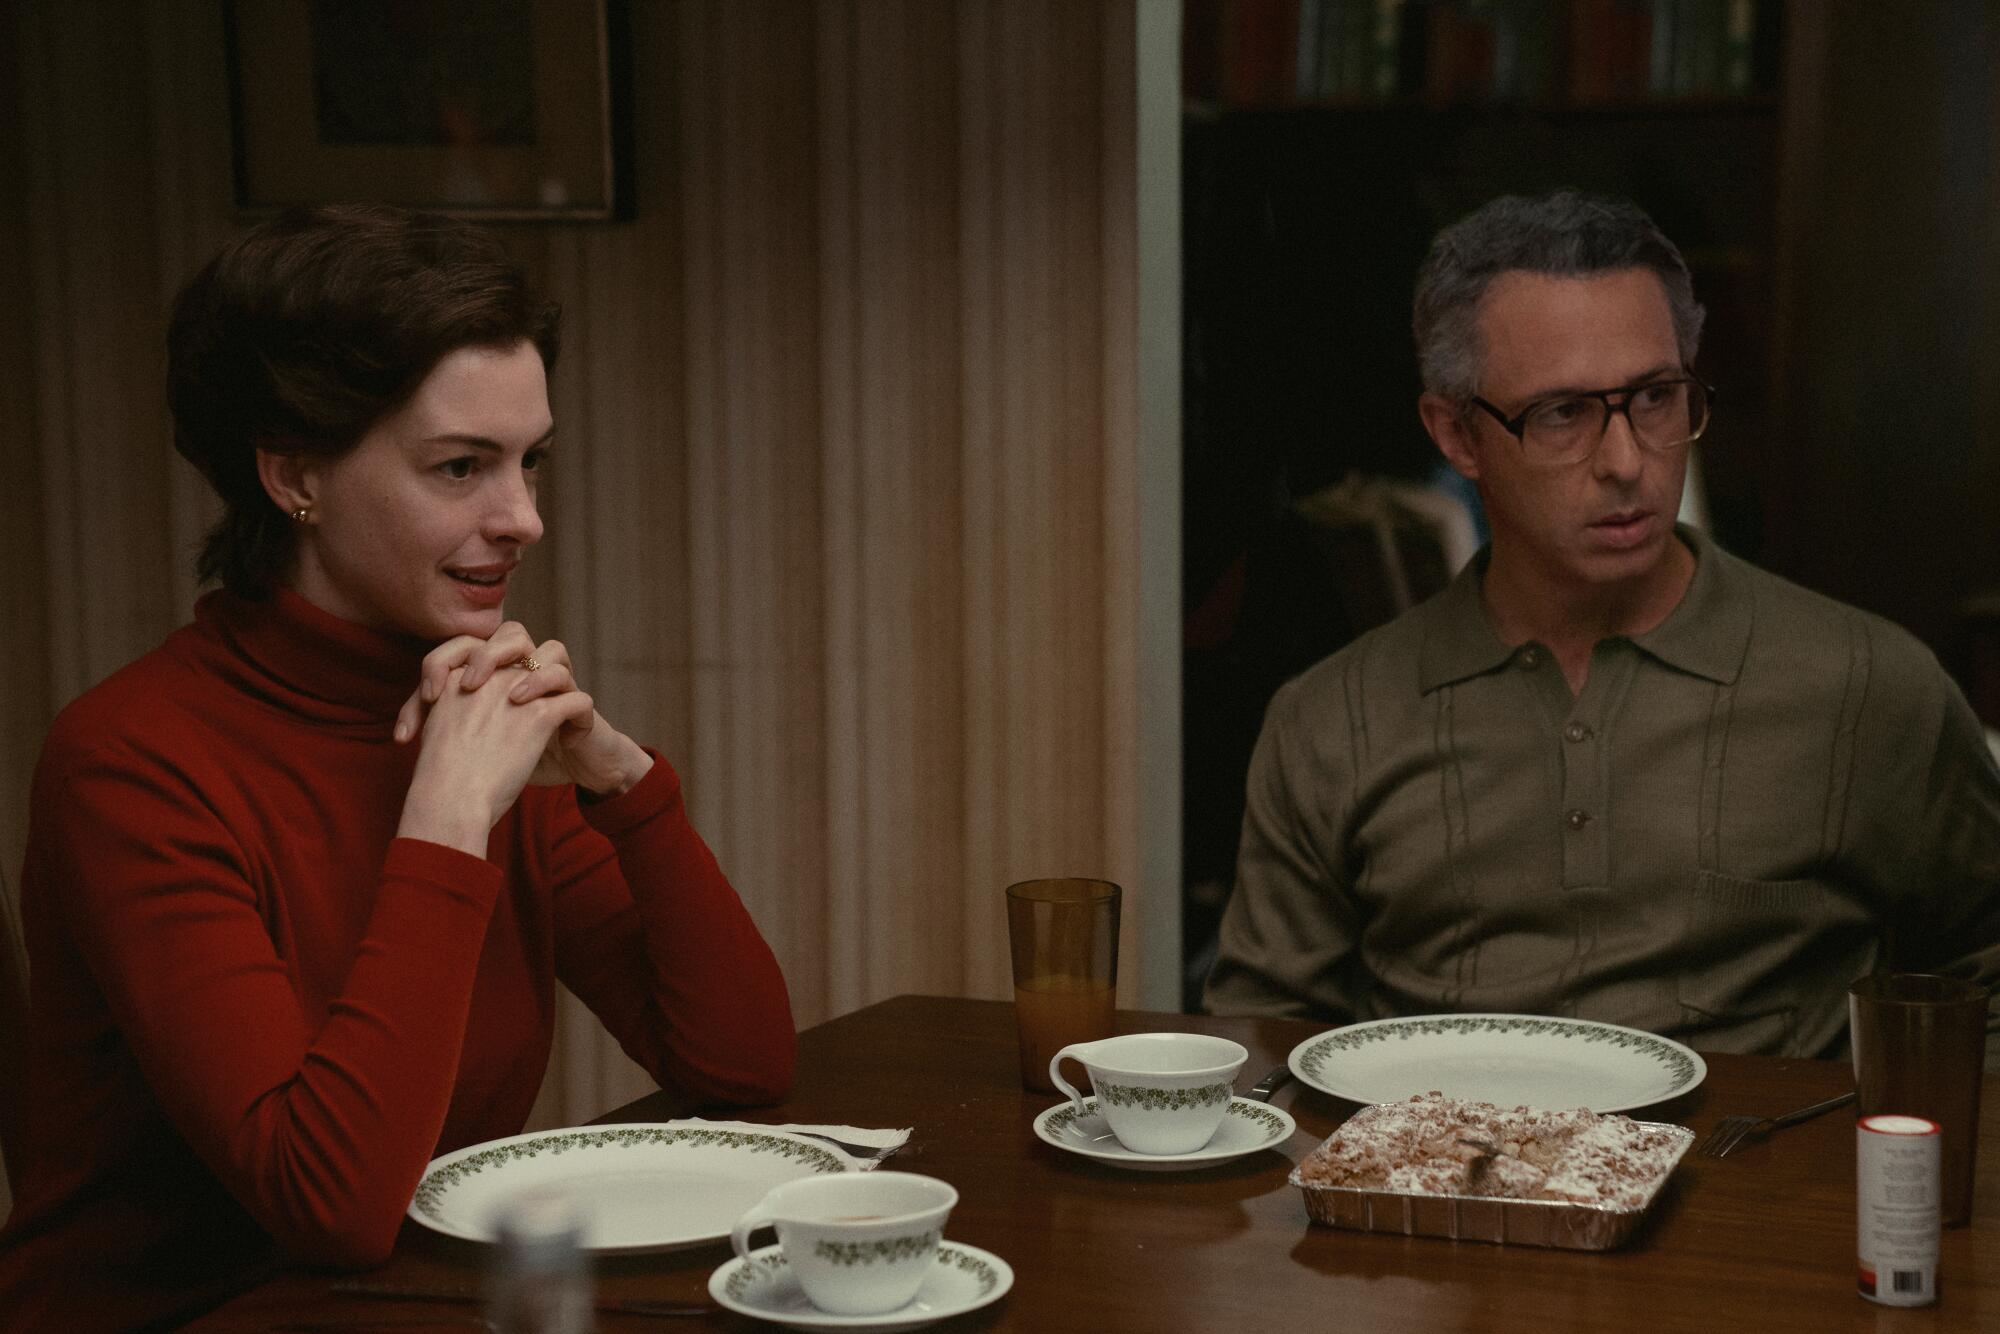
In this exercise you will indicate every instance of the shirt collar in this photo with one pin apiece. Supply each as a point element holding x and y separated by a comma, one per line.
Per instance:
<point>1706,635</point>
<point>1459,641</point>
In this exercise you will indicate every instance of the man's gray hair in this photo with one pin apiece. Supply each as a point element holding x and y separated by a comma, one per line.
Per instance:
<point>1565,234</point>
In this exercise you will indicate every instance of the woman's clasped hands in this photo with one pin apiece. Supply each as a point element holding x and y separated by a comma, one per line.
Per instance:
<point>496,715</point>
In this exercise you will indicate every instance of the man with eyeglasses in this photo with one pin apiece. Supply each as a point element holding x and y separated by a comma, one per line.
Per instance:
<point>1613,771</point>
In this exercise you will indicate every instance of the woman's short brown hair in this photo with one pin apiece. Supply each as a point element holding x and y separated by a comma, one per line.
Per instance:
<point>307,330</point>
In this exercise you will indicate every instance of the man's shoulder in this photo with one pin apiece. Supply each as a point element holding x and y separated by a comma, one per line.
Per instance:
<point>1791,613</point>
<point>1799,630</point>
<point>1378,665</point>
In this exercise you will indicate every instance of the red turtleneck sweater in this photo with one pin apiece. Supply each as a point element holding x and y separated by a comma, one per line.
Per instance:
<point>256,1014</point>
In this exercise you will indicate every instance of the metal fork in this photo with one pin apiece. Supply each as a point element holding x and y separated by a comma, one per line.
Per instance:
<point>1732,1131</point>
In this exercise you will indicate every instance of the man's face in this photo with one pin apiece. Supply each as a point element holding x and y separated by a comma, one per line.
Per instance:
<point>1607,520</point>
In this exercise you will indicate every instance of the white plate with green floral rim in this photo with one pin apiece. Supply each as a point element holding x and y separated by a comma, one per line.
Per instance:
<point>640,1187</point>
<point>965,1278</point>
<point>1506,1059</point>
<point>1247,1127</point>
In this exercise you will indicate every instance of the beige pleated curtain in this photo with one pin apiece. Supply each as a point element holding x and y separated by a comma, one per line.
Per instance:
<point>865,511</point>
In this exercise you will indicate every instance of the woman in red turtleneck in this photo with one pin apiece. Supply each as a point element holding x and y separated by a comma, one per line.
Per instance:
<point>300,881</point>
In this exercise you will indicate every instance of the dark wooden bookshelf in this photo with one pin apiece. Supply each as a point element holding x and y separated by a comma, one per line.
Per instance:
<point>1747,104</point>
<point>1845,236</point>
<point>1479,52</point>
<point>1304,219</point>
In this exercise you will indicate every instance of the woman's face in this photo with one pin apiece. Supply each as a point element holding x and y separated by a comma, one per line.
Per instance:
<point>417,528</point>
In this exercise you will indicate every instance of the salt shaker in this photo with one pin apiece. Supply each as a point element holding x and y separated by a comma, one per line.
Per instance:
<point>1896,1189</point>
<point>540,1280</point>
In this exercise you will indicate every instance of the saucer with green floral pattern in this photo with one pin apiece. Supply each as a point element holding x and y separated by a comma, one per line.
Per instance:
<point>761,1286</point>
<point>1247,1127</point>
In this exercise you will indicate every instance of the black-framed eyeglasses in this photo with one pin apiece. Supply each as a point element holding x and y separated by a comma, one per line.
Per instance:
<point>1663,415</point>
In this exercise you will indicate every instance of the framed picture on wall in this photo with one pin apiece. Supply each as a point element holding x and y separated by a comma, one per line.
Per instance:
<point>485,108</point>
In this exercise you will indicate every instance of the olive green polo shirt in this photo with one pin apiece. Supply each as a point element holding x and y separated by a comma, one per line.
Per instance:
<point>1761,799</point>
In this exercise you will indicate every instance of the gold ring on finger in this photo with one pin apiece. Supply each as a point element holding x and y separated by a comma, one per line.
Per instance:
<point>526,662</point>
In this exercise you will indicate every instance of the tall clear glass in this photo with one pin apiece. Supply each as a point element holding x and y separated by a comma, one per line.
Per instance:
<point>1919,1050</point>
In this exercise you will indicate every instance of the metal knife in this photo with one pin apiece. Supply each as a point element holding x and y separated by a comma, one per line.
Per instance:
<point>463,1292</point>
<point>1262,1090</point>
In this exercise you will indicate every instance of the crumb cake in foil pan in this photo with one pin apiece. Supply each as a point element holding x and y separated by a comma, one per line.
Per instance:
<point>1434,1166</point>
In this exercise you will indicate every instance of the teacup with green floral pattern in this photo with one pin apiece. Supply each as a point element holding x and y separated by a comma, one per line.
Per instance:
<point>859,1243</point>
<point>1159,1092</point>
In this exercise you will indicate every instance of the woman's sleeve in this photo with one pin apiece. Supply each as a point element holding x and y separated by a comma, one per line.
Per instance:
<point>653,938</point>
<point>320,1128</point>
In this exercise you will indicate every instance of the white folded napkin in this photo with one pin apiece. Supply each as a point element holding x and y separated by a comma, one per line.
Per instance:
<point>857,1135</point>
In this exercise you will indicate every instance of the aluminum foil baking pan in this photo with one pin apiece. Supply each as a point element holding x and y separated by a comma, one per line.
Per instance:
<point>1576,1227</point>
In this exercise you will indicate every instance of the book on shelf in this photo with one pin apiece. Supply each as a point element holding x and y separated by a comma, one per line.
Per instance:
<point>1489,50</point>
<point>1704,48</point>
<point>1739,47</point>
<point>1610,48</point>
<point>1348,50</point>
<point>1258,42</point>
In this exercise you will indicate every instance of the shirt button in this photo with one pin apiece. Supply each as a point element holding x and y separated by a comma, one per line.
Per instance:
<point>1577,819</point>
<point>1576,732</point>
<point>1531,657</point>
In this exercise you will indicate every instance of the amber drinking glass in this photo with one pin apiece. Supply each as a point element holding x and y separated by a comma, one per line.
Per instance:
<point>1065,942</point>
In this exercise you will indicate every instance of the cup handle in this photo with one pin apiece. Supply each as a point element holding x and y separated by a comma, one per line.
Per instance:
<point>1073,1051</point>
<point>739,1236</point>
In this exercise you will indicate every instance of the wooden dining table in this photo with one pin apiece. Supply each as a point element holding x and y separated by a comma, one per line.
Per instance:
<point>1760,1240</point>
